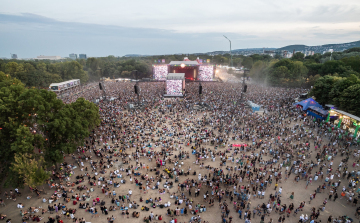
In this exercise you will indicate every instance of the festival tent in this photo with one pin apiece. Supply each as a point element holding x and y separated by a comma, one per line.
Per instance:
<point>308,102</point>
<point>321,111</point>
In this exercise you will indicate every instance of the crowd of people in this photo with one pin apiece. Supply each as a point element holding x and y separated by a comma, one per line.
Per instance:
<point>172,163</point>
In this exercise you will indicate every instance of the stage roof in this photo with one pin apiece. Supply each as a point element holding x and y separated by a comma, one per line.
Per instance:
<point>184,62</point>
<point>175,76</point>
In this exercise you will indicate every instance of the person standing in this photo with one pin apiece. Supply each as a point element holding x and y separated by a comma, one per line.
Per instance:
<point>336,196</point>
<point>292,196</point>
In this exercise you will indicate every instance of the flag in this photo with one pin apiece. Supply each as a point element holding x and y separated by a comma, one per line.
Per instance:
<point>200,60</point>
<point>208,60</point>
<point>155,61</point>
<point>159,61</point>
<point>163,60</point>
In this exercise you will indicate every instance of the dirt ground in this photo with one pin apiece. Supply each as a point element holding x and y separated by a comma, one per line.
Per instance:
<point>213,214</point>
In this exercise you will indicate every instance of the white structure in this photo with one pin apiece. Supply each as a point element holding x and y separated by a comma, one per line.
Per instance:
<point>42,57</point>
<point>175,85</point>
<point>64,86</point>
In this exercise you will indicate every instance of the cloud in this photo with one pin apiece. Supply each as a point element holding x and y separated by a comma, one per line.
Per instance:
<point>30,35</point>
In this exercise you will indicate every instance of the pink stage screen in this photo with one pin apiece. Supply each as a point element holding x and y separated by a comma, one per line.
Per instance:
<point>206,73</point>
<point>160,72</point>
<point>174,87</point>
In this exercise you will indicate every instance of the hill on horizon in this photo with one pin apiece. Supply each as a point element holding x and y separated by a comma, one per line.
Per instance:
<point>321,48</point>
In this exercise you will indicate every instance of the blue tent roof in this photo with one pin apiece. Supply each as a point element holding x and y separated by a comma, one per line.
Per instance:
<point>308,102</point>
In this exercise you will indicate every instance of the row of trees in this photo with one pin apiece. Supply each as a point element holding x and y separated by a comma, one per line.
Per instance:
<point>300,71</point>
<point>279,72</point>
<point>344,92</point>
<point>37,130</point>
<point>116,67</point>
<point>41,74</point>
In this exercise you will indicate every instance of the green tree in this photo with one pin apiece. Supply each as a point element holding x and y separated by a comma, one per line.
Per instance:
<point>31,118</point>
<point>353,62</point>
<point>298,56</point>
<point>29,170</point>
<point>66,128</point>
<point>259,71</point>
<point>277,75</point>
<point>349,100</point>
<point>313,68</point>
<point>312,80</point>
<point>333,66</point>
<point>354,49</point>
<point>248,62</point>
<point>73,70</point>
<point>323,87</point>
<point>12,68</point>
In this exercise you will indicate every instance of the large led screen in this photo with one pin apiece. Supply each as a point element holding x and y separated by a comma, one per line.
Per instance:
<point>206,73</point>
<point>160,72</point>
<point>174,87</point>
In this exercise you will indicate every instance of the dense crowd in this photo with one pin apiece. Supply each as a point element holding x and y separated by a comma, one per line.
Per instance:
<point>186,162</point>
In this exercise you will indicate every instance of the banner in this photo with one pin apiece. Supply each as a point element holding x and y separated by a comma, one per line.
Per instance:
<point>159,61</point>
<point>155,61</point>
<point>239,145</point>
<point>200,60</point>
<point>163,60</point>
<point>208,60</point>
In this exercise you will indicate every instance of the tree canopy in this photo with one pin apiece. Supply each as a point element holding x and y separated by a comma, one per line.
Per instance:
<point>34,120</point>
<point>342,91</point>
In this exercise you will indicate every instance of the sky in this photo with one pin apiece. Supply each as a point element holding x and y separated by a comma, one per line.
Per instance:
<point>118,27</point>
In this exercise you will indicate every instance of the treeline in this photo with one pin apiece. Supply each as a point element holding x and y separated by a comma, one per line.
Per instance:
<point>343,92</point>
<point>37,130</point>
<point>300,71</point>
<point>41,74</point>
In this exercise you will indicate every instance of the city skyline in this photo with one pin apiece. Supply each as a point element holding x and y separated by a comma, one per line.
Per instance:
<point>35,28</point>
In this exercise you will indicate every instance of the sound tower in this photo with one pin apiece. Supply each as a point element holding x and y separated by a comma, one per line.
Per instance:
<point>200,89</point>
<point>137,90</point>
<point>100,86</point>
<point>245,88</point>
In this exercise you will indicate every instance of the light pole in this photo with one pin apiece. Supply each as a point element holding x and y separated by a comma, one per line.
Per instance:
<point>231,63</point>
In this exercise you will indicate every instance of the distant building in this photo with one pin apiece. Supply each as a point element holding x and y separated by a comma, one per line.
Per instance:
<point>14,56</point>
<point>309,53</point>
<point>42,57</point>
<point>73,56</point>
<point>82,56</point>
<point>269,52</point>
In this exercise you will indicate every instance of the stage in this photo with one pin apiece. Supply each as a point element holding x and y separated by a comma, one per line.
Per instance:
<point>192,70</point>
<point>172,96</point>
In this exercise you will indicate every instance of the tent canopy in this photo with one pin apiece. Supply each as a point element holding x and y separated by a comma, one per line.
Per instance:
<point>321,111</point>
<point>308,102</point>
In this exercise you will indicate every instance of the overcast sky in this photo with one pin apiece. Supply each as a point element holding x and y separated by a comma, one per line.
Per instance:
<point>117,27</point>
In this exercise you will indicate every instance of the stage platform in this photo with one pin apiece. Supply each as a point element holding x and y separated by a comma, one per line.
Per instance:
<point>172,96</point>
